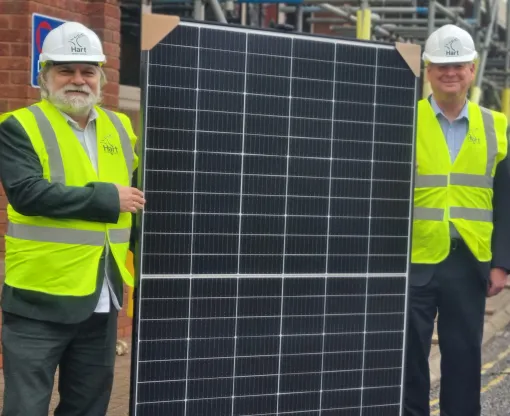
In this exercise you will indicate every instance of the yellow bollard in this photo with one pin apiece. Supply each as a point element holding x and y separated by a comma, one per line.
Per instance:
<point>363,24</point>
<point>426,88</point>
<point>505,102</point>
<point>476,93</point>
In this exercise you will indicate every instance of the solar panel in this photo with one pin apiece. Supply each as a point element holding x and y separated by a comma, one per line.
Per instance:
<point>274,245</point>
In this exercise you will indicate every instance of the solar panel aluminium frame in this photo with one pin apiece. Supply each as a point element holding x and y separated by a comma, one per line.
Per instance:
<point>151,35</point>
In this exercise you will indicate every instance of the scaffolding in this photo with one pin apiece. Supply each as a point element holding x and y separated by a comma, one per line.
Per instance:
<point>488,21</point>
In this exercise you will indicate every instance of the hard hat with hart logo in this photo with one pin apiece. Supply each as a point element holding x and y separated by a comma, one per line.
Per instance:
<point>449,45</point>
<point>72,42</point>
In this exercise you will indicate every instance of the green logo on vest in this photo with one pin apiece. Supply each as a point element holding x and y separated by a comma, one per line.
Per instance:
<point>108,147</point>
<point>472,137</point>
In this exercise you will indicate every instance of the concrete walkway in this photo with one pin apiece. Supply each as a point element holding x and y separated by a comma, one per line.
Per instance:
<point>497,318</point>
<point>495,378</point>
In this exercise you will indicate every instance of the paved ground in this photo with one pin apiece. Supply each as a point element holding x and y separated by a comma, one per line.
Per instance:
<point>495,377</point>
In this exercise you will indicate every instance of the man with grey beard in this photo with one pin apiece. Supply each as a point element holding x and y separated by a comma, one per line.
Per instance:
<point>66,165</point>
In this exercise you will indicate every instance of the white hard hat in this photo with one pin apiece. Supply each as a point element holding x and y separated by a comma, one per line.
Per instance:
<point>448,45</point>
<point>72,42</point>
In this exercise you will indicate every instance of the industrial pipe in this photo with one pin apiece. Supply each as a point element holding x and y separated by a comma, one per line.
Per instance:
<point>407,29</point>
<point>431,26</point>
<point>198,10</point>
<point>299,18</point>
<point>476,92</point>
<point>456,19</point>
<point>497,73</point>
<point>146,6</point>
<point>385,2</point>
<point>403,21</point>
<point>413,21</point>
<point>293,9</point>
<point>477,16</point>
<point>396,9</point>
<point>423,10</point>
<point>344,29</point>
<point>432,16</point>
<point>218,11</point>
<point>340,12</point>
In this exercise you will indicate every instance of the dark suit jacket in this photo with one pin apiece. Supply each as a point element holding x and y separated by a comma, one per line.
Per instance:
<point>30,194</point>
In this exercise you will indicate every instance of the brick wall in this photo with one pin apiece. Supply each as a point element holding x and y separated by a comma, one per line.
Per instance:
<point>102,16</point>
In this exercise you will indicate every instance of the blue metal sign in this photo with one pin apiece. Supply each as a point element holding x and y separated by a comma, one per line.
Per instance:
<point>41,26</point>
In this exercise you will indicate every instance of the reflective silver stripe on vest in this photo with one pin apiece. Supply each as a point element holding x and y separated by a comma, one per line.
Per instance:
<point>57,174</point>
<point>120,236</point>
<point>431,181</point>
<point>124,140</point>
<point>66,235</point>
<point>466,179</point>
<point>471,214</point>
<point>492,140</point>
<point>437,214</point>
<point>461,179</point>
<point>429,214</point>
<point>55,235</point>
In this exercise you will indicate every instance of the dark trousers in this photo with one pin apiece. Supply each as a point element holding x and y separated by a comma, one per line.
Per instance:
<point>456,291</point>
<point>83,352</point>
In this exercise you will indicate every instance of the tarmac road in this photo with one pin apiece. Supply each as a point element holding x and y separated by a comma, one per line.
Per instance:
<point>495,378</point>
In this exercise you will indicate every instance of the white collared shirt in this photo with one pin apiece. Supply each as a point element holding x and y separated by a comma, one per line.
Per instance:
<point>88,139</point>
<point>454,133</point>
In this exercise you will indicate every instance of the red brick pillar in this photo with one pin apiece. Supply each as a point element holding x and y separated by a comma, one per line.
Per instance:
<point>104,19</point>
<point>102,16</point>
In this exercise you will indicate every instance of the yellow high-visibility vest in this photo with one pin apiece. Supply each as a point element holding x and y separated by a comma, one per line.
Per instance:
<point>61,256</point>
<point>459,192</point>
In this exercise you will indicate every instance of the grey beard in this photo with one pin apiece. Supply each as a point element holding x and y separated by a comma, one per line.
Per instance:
<point>73,106</point>
<point>70,108</point>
